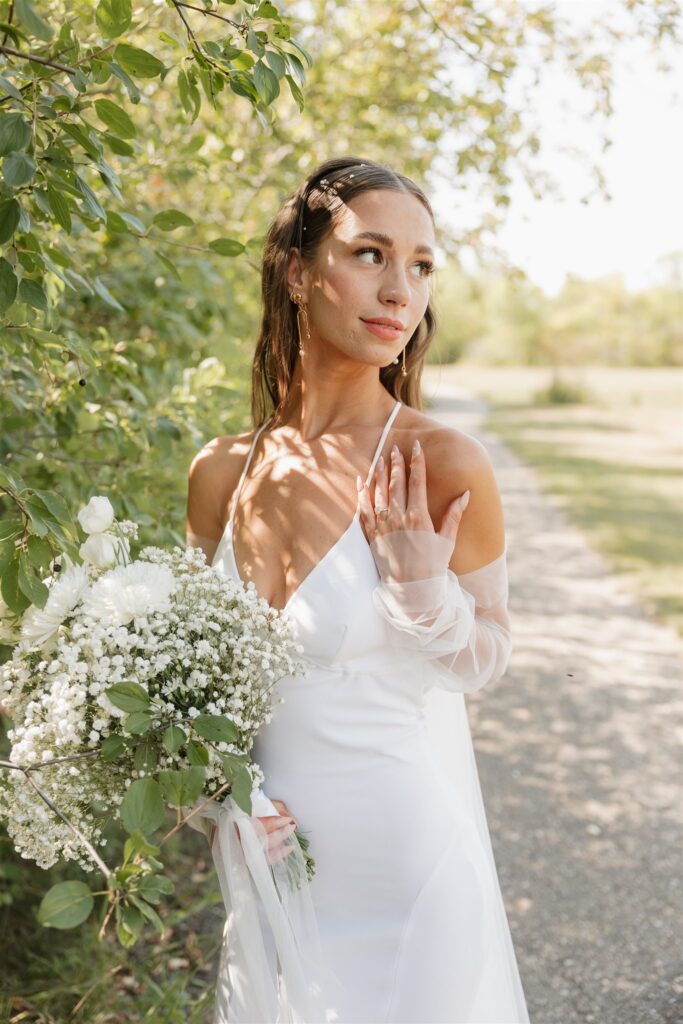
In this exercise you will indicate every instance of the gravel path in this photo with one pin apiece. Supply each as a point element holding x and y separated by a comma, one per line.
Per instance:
<point>579,757</point>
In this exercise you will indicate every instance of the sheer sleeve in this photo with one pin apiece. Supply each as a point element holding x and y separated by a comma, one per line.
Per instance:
<point>459,624</point>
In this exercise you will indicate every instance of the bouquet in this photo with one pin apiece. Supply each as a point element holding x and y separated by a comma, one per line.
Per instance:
<point>138,687</point>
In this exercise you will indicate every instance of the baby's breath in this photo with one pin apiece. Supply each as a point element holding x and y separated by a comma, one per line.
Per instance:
<point>211,647</point>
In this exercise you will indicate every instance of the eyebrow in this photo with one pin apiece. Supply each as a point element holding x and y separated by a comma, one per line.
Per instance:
<point>378,236</point>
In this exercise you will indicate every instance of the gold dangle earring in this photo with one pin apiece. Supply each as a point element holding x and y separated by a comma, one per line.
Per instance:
<point>404,372</point>
<point>301,314</point>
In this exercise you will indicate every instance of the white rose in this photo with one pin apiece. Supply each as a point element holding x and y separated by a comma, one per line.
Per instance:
<point>97,515</point>
<point>101,550</point>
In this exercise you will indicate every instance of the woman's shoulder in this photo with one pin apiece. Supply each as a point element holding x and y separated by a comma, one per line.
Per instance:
<point>449,445</point>
<point>213,476</point>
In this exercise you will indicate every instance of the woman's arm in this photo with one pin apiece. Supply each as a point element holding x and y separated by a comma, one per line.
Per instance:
<point>446,601</point>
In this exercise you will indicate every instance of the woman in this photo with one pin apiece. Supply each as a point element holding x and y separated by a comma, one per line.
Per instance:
<point>388,606</point>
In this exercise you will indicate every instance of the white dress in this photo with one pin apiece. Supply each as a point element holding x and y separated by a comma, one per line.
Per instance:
<point>406,897</point>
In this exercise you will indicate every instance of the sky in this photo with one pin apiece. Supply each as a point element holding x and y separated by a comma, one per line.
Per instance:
<point>643,169</point>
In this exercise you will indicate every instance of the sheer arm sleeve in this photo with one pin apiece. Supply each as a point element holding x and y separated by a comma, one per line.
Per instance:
<point>459,624</point>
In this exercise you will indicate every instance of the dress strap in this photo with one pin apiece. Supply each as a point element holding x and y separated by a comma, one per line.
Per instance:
<point>380,444</point>
<point>244,472</point>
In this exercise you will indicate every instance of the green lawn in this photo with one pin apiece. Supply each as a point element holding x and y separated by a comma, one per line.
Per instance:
<point>612,460</point>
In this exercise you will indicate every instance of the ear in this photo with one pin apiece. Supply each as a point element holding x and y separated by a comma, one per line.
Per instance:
<point>295,275</point>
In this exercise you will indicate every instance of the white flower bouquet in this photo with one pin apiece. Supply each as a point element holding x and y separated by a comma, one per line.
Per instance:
<point>138,687</point>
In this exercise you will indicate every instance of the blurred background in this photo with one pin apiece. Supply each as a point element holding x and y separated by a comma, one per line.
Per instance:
<point>146,150</point>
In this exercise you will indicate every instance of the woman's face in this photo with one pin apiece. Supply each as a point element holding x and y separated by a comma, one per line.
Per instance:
<point>355,279</point>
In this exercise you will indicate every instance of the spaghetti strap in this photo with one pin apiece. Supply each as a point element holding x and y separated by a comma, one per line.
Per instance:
<point>380,443</point>
<point>244,473</point>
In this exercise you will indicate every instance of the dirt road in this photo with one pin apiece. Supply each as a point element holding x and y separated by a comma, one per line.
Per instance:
<point>579,757</point>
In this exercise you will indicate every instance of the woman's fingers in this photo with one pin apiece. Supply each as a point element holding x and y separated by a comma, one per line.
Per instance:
<point>397,488</point>
<point>417,509</point>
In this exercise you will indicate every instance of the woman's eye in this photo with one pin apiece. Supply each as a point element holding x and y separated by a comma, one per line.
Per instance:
<point>425,267</point>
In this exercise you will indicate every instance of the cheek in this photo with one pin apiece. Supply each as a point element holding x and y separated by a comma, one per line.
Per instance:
<point>340,287</point>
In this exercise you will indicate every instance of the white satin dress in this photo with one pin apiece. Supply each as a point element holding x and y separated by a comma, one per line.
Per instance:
<point>372,754</point>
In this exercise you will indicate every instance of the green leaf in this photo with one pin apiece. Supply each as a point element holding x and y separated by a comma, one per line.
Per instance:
<point>112,747</point>
<point>15,133</point>
<point>138,722</point>
<point>241,790</point>
<point>38,515</point>
<point>18,169</point>
<point>59,207</point>
<point>10,215</point>
<point>31,292</point>
<point>92,203</point>
<point>226,246</point>
<point>11,527</point>
<point>138,63</point>
<point>171,267</point>
<point>129,925</point>
<point>182,787</point>
<point>137,845</point>
<point>266,82</point>
<point>14,597</point>
<point>57,506</point>
<point>173,738</point>
<point>128,696</point>
<point>8,285</point>
<point>295,91</point>
<point>197,754</point>
<point>154,886</point>
<point>277,63</point>
<point>113,17</point>
<point>216,728</point>
<point>39,551</point>
<point>106,295</point>
<point>267,10</point>
<point>65,905</point>
<point>146,756</point>
<point>148,912</point>
<point>115,118</point>
<point>31,21</point>
<point>29,584</point>
<point>168,220</point>
<point>142,807</point>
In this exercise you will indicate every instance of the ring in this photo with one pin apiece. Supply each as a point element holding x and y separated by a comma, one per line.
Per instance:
<point>381,513</point>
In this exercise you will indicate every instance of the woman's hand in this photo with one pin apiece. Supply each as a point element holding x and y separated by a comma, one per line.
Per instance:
<point>278,828</point>
<point>403,557</point>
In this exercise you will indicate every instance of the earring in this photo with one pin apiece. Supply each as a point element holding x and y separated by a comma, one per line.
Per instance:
<point>404,372</point>
<point>301,314</point>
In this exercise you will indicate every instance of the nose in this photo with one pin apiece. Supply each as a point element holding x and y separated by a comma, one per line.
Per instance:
<point>395,288</point>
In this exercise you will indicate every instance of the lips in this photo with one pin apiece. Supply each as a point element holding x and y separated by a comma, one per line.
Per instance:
<point>383,329</point>
<point>384,321</point>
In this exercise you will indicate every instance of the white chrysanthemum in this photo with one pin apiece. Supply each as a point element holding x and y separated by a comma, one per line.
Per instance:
<point>104,549</point>
<point>40,624</point>
<point>97,516</point>
<point>129,591</point>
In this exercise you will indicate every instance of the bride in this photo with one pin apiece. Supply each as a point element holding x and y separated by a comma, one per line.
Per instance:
<point>380,532</point>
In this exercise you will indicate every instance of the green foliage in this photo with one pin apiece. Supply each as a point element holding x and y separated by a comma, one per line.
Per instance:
<point>498,317</point>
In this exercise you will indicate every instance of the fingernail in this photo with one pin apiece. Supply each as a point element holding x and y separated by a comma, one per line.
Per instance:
<point>463,499</point>
<point>359,483</point>
<point>416,447</point>
<point>380,463</point>
<point>394,452</point>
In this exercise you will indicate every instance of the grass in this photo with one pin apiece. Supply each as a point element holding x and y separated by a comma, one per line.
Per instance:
<point>69,977</point>
<point>612,460</point>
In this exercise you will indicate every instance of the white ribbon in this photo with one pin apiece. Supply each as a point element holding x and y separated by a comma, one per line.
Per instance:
<point>271,968</point>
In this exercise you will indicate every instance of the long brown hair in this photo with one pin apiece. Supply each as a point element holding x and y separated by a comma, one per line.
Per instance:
<point>305,218</point>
